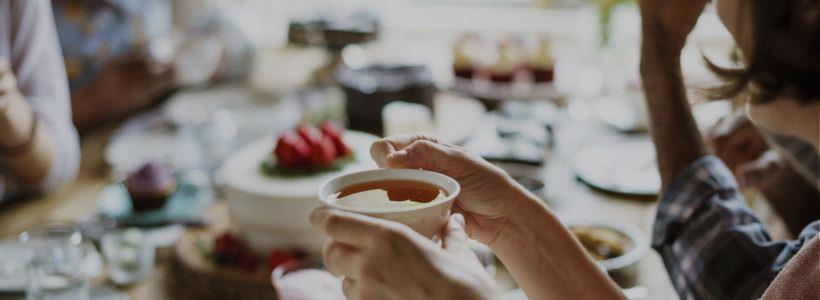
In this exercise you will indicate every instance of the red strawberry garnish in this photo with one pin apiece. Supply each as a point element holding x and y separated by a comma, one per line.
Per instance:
<point>247,261</point>
<point>309,133</point>
<point>291,150</point>
<point>332,129</point>
<point>334,132</point>
<point>323,152</point>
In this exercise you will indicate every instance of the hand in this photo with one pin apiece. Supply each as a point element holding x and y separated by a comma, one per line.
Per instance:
<point>380,259</point>
<point>131,82</point>
<point>8,84</point>
<point>488,195</point>
<point>744,150</point>
<point>669,21</point>
<point>15,113</point>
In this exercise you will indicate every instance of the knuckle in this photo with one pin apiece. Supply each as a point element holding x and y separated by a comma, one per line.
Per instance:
<point>378,145</point>
<point>333,221</point>
<point>384,234</point>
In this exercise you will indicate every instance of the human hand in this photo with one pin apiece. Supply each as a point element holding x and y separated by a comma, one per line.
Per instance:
<point>744,150</point>
<point>131,82</point>
<point>667,22</point>
<point>381,259</point>
<point>8,84</point>
<point>488,195</point>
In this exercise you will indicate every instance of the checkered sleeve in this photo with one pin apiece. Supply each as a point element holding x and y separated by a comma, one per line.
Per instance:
<point>712,244</point>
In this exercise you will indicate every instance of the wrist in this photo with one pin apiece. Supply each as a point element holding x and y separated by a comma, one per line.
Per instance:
<point>518,230</point>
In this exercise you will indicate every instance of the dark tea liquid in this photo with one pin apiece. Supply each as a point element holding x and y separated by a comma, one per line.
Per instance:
<point>397,190</point>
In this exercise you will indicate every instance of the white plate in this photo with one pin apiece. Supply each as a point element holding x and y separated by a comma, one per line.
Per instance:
<point>626,167</point>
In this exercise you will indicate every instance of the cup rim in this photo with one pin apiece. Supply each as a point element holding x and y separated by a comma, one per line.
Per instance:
<point>324,192</point>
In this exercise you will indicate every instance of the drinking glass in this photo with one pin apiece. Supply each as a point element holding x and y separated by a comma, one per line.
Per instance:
<point>130,256</point>
<point>55,255</point>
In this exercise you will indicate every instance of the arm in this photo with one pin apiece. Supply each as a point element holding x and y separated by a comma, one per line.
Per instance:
<point>677,139</point>
<point>542,255</point>
<point>39,93</point>
<point>712,244</point>
<point>545,259</point>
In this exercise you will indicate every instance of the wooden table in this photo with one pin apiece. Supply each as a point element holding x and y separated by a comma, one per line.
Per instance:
<point>565,195</point>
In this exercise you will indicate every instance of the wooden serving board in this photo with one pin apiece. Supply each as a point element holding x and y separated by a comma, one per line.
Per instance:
<point>194,276</point>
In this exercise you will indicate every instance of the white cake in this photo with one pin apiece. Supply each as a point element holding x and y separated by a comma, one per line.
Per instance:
<point>272,212</point>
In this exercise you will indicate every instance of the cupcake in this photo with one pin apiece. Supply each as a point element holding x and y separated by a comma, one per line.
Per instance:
<point>463,62</point>
<point>151,185</point>
<point>541,63</point>
<point>506,64</point>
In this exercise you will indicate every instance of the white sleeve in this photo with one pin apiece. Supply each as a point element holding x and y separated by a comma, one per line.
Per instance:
<point>38,64</point>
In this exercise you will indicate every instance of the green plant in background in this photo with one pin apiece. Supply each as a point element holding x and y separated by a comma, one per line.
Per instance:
<point>605,8</point>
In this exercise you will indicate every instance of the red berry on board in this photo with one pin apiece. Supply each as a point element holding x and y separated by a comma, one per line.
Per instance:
<point>277,257</point>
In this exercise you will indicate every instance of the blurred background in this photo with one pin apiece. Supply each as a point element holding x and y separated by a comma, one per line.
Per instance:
<point>547,89</point>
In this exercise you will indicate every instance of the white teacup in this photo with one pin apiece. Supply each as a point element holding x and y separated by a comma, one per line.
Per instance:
<point>428,219</point>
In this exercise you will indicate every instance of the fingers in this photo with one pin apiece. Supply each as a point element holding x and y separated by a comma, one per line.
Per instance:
<point>342,260</point>
<point>454,237</point>
<point>384,147</point>
<point>422,154</point>
<point>7,80</point>
<point>350,228</point>
<point>349,288</point>
<point>759,170</point>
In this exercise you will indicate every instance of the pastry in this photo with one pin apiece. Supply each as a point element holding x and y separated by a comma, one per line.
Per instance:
<point>541,63</point>
<point>506,64</point>
<point>151,185</point>
<point>463,60</point>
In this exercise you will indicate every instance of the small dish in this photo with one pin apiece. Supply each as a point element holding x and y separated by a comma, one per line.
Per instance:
<point>621,263</point>
<point>427,219</point>
<point>185,205</point>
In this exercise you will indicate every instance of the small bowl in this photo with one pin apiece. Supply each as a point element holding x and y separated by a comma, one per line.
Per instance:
<point>427,219</point>
<point>623,268</point>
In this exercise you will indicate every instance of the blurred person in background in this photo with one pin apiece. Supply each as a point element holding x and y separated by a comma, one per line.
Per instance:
<point>712,244</point>
<point>124,56</point>
<point>38,144</point>
<point>786,173</point>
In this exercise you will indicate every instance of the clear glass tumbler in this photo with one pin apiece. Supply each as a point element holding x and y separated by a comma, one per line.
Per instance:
<point>55,255</point>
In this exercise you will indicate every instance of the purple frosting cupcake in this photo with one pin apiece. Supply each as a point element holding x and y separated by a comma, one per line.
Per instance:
<point>151,185</point>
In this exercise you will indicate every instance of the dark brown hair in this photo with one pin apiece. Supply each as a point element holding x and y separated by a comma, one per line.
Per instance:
<point>785,54</point>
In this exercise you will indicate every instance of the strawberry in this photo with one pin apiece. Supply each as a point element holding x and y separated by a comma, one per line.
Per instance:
<point>309,133</point>
<point>332,129</point>
<point>334,132</point>
<point>291,150</point>
<point>323,152</point>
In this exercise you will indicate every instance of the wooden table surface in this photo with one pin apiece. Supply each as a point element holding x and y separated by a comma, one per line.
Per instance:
<point>565,194</point>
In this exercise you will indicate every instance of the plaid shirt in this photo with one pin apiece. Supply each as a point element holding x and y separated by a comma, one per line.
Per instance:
<point>712,244</point>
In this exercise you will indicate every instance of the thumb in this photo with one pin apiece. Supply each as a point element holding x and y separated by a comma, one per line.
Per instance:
<point>454,237</point>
